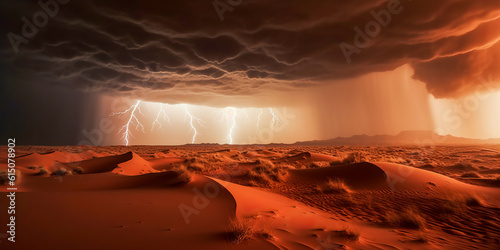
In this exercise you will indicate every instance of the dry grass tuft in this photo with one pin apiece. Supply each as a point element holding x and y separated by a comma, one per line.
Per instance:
<point>240,230</point>
<point>473,201</point>
<point>264,233</point>
<point>42,171</point>
<point>4,177</point>
<point>266,172</point>
<point>60,172</point>
<point>456,204</point>
<point>463,166</point>
<point>336,186</point>
<point>406,219</point>
<point>350,234</point>
<point>421,238</point>
<point>354,157</point>
<point>77,170</point>
<point>183,174</point>
<point>471,175</point>
<point>264,163</point>
<point>195,167</point>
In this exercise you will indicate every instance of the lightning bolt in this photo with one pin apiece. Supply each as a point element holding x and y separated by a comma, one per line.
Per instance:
<point>231,116</point>
<point>161,113</point>
<point>275,120</point>
<point>259,117</point>
<point>133,118</point>
<point>192,119</point>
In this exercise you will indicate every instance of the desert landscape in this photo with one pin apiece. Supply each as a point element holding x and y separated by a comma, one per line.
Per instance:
<point>257,197</point>
<point>249,124</point>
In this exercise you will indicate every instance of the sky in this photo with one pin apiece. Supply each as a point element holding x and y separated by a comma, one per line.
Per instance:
<point>220,69</point>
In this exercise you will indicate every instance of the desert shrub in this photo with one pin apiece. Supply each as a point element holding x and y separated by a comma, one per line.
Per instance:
<point>264,234</point>
<point>450,206</point>
<point>195,166</point>
<point>456,204</point>
<point>4,177</point>
<point>350,234</point>
<point>42,171</point>
<point>354,157</point>
<point>335,163</point>
<point>266,172</point>
<point>407,219</point>
<point>191,160</point>
<point>473,201</point>
<point>463,166</point>
<point>421,238</point>
<point>77,170</point>
<point>428,167</point>
<point>264,163</point>
<point>240,230</point>
<point>318,164</point>
<point>60,172</point>
<point>314,165</point>
<point>183,174</point>
<point>471,175</point>
<point>336,186</point>
<point>495,156</point>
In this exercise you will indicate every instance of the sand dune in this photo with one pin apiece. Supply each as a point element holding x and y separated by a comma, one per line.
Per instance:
<point>196,198</point>
<point>135,166</point>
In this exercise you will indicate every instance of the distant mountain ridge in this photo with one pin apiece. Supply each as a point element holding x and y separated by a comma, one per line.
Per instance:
<point>403,138</point>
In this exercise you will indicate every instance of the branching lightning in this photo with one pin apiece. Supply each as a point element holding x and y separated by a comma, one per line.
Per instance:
<point>275,119</point>
<point>192,119</point>
<point>229,114</point>
<point>161,114</point>
<point>133,118</point>
<point>231,117</point>
<point>259,117</point>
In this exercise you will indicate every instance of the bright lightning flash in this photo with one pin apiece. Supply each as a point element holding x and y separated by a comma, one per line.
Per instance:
<point>275,120</point>
<point>231,117</point>
<point>133,118</point>
<point>161,114</point>
<point>192,119</point>
<point>259,117</point>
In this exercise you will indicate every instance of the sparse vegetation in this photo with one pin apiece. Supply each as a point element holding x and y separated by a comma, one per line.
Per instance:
<point>243,229</point>
<point>4,177</point>
<point>183,174</point>
<point>195,166</point>
<point>463,166</point>
<point>354,157</point>
<point>77,170</point>
<point>407,219</point>
<point>337,186</point>
<point>471,175</point>
<point>266,172</point>
<point>60,172</point>
<point>473,201</point>
<point>264,234</point>
<point>314,165</point>
<point>454,204</point>
<point>421,238</point>
<point>42,171</point>
<point>350,234</point>
<point>240,230</point>
<point>265,163</point>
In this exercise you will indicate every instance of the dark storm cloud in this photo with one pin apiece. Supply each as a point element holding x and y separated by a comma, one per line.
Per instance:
<point>179,47</point>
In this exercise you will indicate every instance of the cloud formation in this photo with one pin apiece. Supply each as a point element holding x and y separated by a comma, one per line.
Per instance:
<point>180,51</point>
